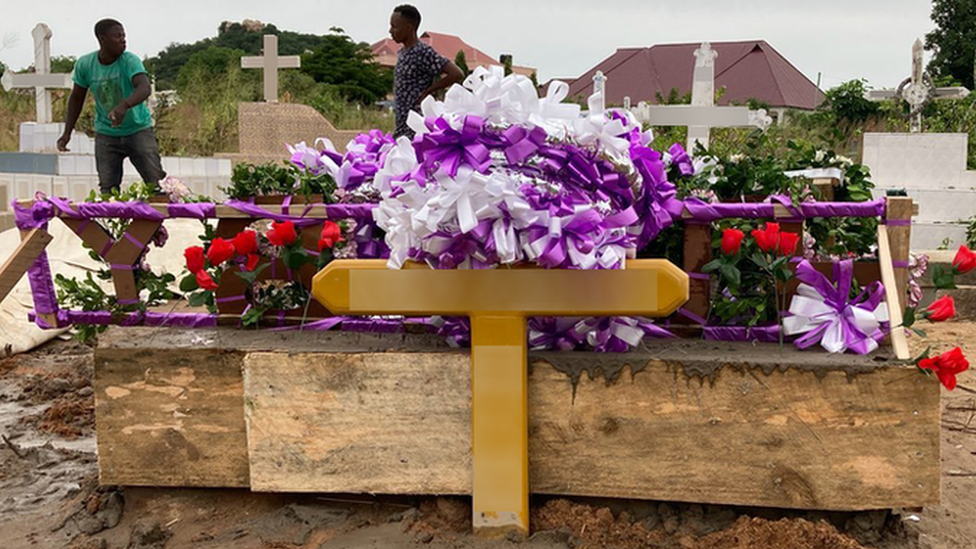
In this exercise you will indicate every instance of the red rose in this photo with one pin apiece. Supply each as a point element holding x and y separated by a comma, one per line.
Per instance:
<point>731,241</point>
<point>331,235</point>
<point>282,234</point>
<point>946,366</point>
<point>964,261</point>
<point>941,309</point>
<point>767,238</point>
<point>246,242</point>
<point>205,281</point>
<point>195,261</point>
<point>220,250</point>
<point>252,262</point>
<point>788,242</point>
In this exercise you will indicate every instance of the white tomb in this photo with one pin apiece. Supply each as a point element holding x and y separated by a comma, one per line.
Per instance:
<point>931,167</point>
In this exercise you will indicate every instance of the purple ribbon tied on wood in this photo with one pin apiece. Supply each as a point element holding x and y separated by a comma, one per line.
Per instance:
<point>824,312</point>
<point>447,148</point>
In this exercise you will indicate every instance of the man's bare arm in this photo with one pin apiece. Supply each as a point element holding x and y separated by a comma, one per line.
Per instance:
<point>76,101</point>
<point>452,75</point>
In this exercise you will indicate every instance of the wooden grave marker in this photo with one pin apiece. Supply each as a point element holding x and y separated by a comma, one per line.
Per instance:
<point>498,302</point>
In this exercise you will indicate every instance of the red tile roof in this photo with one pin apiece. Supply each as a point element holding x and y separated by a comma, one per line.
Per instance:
<point>445,44</point>
<point>749,69</point>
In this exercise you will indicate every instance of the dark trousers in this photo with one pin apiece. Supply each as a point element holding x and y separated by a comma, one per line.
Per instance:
<point>140,148</point>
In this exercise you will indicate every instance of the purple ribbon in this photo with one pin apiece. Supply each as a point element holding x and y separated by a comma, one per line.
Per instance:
<point>194,210</point>
<point>39,274</point>
<point>447,148</point>
<point>764,334</point>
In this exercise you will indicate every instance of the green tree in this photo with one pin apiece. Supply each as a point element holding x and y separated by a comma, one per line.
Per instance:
<point>953,41</point>
<point>847,102</point>
<point>206,65</point>
<point>506,60</point>
<point>462,63</point>
<point>349,67</point>
<point>62,63</point>
<point>165,66</point>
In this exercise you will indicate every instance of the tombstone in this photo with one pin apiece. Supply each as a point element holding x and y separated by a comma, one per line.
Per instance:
<point>42,79</point>
<point>931,168</point>
<point>600,87</point>
<point>702,114</point>
<point>626,102</point>
<point>918,90</point>
<point>270,62</point>
<point>702,91</point>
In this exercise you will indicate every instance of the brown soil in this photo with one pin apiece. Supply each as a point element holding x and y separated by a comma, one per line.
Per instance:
<point>50,498</point>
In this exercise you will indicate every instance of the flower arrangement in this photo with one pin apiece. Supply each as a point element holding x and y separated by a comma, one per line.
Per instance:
<point>751,272</point>
<point>253,250</point>
<point>498,176</point>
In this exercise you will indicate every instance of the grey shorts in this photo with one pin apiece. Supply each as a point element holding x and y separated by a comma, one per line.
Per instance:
<point>140,148</point>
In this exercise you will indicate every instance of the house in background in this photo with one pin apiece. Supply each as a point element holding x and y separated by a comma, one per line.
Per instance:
<point>750,69</point>
<point>385,52</point>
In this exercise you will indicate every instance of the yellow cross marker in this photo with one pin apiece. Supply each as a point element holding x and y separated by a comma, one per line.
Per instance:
<point>498,302</point>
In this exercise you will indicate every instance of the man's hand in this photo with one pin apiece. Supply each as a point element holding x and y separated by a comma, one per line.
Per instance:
<point>63,142</point>
<point>118,113</point>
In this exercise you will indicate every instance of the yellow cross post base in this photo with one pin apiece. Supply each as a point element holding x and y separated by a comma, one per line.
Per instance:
<point>498,302</point>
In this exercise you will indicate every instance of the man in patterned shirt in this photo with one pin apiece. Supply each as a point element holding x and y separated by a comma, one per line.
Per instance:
<point>418,65</point>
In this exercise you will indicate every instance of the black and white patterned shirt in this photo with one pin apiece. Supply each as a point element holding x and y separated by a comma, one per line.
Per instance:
<point>416,69</point>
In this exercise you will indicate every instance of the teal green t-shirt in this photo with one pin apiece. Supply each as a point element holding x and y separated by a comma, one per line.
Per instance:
<point>110,84</point>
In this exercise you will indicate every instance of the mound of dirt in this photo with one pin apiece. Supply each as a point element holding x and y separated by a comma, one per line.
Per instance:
<point>598,528</point>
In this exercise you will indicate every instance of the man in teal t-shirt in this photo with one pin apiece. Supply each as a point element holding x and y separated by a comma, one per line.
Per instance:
<point>123,124</point>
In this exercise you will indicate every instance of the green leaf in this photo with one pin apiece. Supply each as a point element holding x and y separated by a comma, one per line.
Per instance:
<point>198,299</point>
<point>924,355</point>
<point>732,274</point>
<point>712,265</point>
<point>909,317</point>
<point>253,316</point>
<point>294,258</point>
<point>251,276</point>
<point>189,284</point>
<point>942,278</point>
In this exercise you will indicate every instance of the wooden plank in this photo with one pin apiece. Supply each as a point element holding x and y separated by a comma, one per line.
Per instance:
<point>697,251</point>
<point>819,437</point>
<point>898,214</point>
<point>378,397</point>
<point>787,439</point>
<point>892,295</point>
<point>169,418</point>
<point>31,246</point>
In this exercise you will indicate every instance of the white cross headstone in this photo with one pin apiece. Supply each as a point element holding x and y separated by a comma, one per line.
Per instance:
<point>702,114</point>
<point>41,80</point>
<point>600,87</point>
<point>270,62</point>
<point>918,89</point>
<point>702,91</point>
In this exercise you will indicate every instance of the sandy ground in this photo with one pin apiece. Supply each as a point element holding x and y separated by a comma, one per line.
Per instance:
<point>50,498</point>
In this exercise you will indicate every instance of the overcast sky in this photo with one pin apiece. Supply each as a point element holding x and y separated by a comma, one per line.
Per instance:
<point>842,39</point>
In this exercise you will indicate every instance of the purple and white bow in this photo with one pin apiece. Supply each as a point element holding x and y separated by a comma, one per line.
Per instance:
<point>823,311</point>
